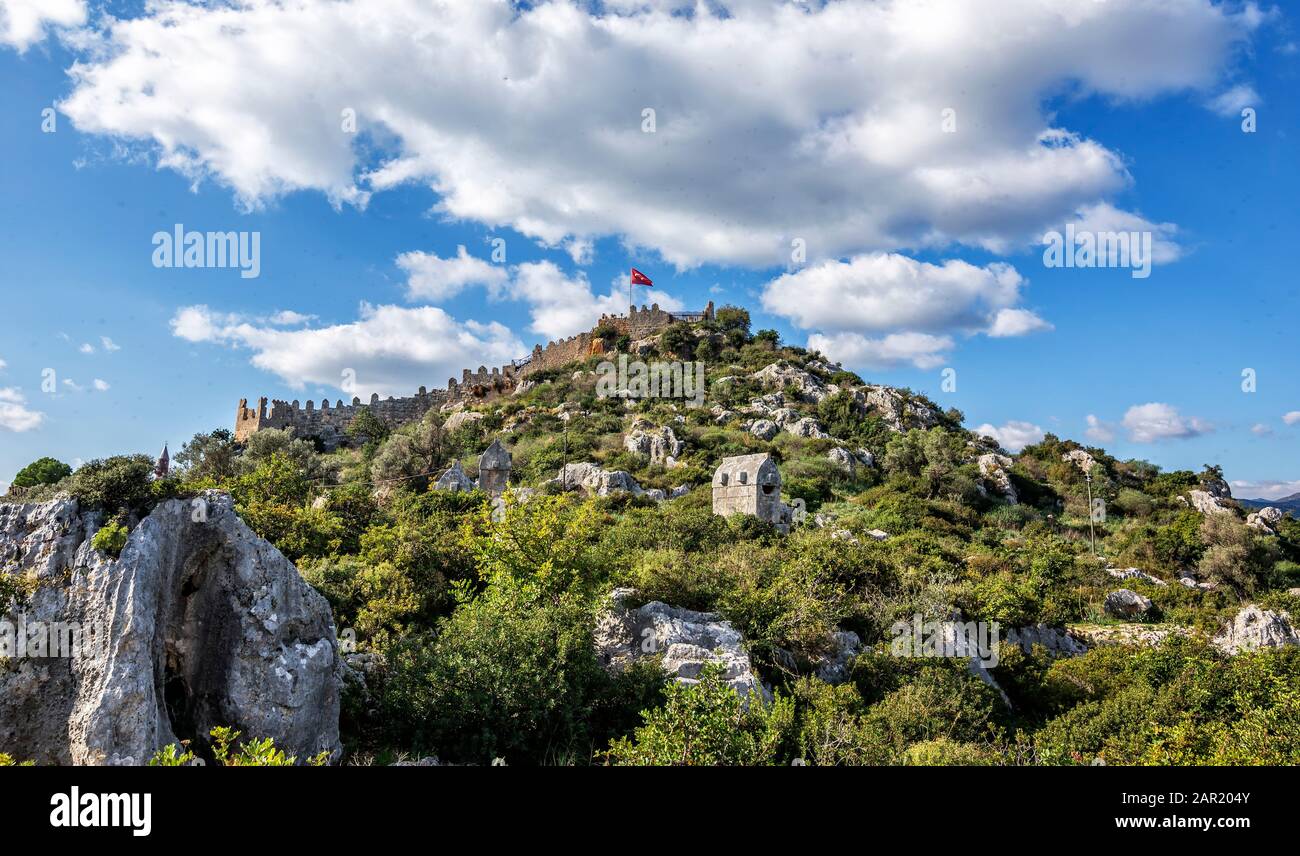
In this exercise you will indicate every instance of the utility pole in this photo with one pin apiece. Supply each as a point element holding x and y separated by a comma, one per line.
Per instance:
<point>1092,533</point>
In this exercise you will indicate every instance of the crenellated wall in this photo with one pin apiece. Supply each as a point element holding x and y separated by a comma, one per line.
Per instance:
<point>329,423</point>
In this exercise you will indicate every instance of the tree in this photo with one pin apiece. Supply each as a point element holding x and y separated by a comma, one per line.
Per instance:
<point>209,456</point>
<point>120,483</point>
<point>366,428</point>
<point>410,455</point>
<point>769,338</point>
<point>42,471</point>
<point>678,339</point>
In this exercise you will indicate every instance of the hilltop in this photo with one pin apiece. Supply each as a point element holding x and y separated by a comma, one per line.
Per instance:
<point>539,574</point>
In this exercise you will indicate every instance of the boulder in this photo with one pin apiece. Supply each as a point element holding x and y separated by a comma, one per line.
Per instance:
<point>597,481</point>
<point>896,411</point>
<point>782,375</point>
<point>834,667</point>
<point>1254,628</point>
<point>764,429</point>
<point>1080,458</point>
<point>1207,503</point>
<point>1055,640</point>
<point>199,623</point>
<point>994,470</point>
<point>1265,520</point>
<point>807,427</point>
<point>1127,604</point>
<point>843,459</point>
<point>687,640</point>
<point>461,419</point>
<point>865,458</point>
<point>1135,574</point>
<point>784,416</point>
<point>454,480</point>
<point>660,445</point>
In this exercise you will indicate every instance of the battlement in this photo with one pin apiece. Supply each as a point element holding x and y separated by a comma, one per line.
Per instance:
<point>329,424</point>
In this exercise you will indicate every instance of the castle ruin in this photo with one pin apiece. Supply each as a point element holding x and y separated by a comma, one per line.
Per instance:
<point>328,424</point>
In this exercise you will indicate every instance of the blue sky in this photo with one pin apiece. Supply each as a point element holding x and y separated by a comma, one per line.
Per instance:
<point>923,245</point>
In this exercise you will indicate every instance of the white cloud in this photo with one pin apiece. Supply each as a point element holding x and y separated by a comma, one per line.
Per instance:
<point>1013,436</point>
<point>289,318</point>
<point>108,344</point>
<point>23,23</point>
<point>3,365</point>
<point>73,385</point>
<point>1154,421</point>
<point>100,385</point>
<point>429,277</point>
<point>887,291</point>
<point>14,414</point>
<point>1104,217</point>
<point>86,348</point>
<point>1232,101</point>
<point>392,350</point>
<point>1017,322</point>
<point>1102,432</point>
<point>918,349</point>
<point>531,116</point>
<point>562,306</point>
<point>1291,418</point>
<point>1259,429</point>
<point>1265,489</point>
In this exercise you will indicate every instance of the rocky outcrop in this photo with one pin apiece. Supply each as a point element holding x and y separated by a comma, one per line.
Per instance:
<point>764,429</point>
<point>1055,640</point>
<point>994,471</point>
<point>1254,628</point>
<point>1207,503</point>
<point>1265,520</point>
<point>1127,604</point>
<point>781,376</point>
<point>460,419</point>
<point>843,459</point>
<point>660,445</point>
<point>199,623</point>
<point>834,667</point>
<point>1135,574</point>
<point>596,481</point>
<point>895,410</point>
<point>687,640</point>
<point>807,427</point>
<point>1080,459</point>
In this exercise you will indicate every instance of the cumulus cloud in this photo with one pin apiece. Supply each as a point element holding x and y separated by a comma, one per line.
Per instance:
<point>1013,436</point>
<point>1016,322</point>
<point>14,414</point>
<point>86,348</point>
<point>1233,100</point>
<point>100,385</point>
<point>1104,217</point>
<point>389,350</point>
<point>563,305</point>
<point>921,350</point>
<point>1102,432</point>
<point>888,291</point>
<point>1155,421</point>
<point>23,23</point>
<point>1291,418</point>
<point>1259,429</point>
<point>532,116</point>
<point>108,344</point>
<point>429,277</point>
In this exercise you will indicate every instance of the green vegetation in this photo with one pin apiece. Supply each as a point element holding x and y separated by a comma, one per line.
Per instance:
<point>483,624</point>
<point>42,471</point>
<point>228,751</point>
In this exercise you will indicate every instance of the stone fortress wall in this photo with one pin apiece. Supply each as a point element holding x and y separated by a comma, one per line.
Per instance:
<point>329,423</point>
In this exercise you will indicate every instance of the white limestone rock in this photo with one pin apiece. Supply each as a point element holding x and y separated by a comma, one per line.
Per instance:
<point>1254,628</point>
<point>1126,604</point>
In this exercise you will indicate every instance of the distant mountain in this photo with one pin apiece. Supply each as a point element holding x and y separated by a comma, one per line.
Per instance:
<point>1287,503</point>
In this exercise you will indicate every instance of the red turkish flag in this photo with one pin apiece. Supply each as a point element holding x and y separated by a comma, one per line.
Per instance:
<point>639,278</point>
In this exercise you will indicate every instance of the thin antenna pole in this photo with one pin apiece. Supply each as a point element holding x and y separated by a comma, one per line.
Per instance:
<point>1092,532</point>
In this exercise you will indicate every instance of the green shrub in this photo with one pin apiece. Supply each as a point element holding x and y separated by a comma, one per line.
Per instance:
<point>41,472</point>
<point>110,538</point>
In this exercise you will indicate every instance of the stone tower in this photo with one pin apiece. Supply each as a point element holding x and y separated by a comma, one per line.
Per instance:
<point>494,469</point>
<point>750,484</point>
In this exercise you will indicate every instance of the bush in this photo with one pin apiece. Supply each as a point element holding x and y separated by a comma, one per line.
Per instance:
<point>707,724</point>
<point>119,484</point>
<point>41,472</point>
<point>110,538</point>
